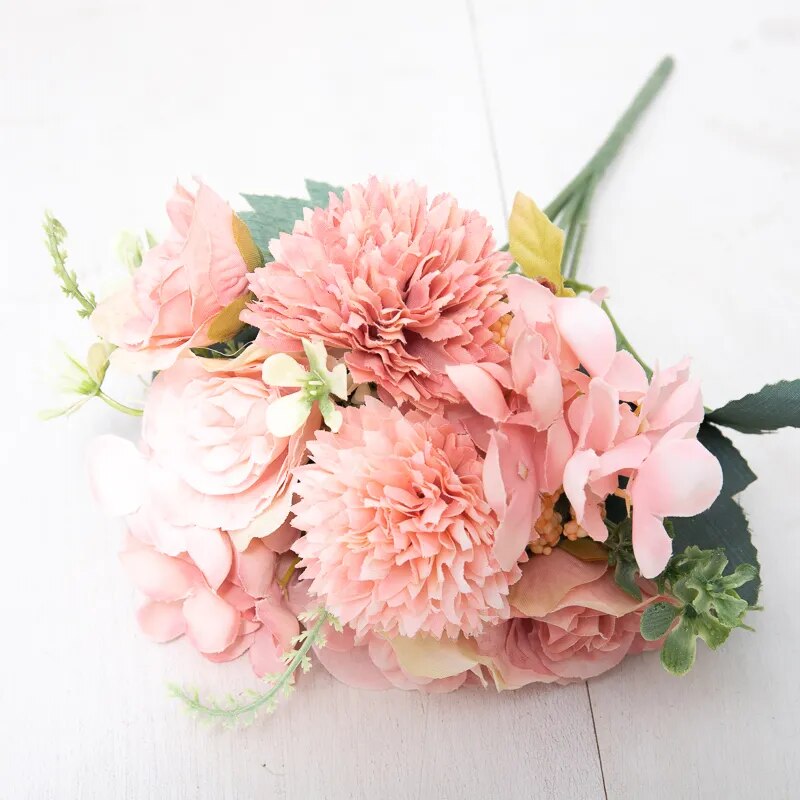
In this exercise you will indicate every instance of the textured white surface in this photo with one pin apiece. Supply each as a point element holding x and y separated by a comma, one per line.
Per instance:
<point>103,104</point>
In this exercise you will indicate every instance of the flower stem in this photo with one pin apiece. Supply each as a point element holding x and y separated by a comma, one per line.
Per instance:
<point>608,151</point>
<point>134,412</point>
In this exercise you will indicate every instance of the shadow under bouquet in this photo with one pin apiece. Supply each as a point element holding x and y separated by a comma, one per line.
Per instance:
<point>371,434</point>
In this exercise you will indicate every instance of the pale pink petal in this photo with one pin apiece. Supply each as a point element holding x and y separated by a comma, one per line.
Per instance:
<point>162,621</point>
<point>588,332</point>
<point>211,624</point>
<point>628,376</point>
<point>116,474</point>
<point>482,391</point>
<point>211,551</point>
<point>158,576</point>
<point>255,568</point>
<point>680,478</point>
<point>651,543</point>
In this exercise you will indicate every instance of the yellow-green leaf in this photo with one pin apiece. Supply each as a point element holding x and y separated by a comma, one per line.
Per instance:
<point>247,247</point>
<point>227,324</point>
<point>535,242</point>
<point>585,549</point>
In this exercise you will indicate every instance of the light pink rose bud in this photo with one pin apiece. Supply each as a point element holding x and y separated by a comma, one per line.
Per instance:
<point>176,298</point>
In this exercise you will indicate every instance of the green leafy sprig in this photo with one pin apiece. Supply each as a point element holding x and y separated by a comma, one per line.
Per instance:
<point>55,236</point>
<point>250,703</point>
<point>706,605</point>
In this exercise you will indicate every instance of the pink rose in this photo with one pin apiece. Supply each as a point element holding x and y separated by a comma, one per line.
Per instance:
<point>173,301</point>
<point>573,623</point>
<point>208,460</point>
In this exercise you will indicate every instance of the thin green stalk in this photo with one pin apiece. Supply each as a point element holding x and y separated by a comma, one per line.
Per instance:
<point>608,151</point>
<point>280,685</point>
<point>134,412</point>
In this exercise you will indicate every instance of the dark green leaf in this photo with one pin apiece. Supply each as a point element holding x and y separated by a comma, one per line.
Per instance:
<point>775,406</point>
<point>656,620</point>
<point>680,648</point>
<point>736,473</point>
<point>723,525</point>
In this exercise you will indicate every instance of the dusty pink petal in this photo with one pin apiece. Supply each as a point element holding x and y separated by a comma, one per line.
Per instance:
<point>162,621</point>
<point>546,581</point>
<point>211,552</point>
<point>481,390</point>
<point>158,576</point>
<point>601,595</point>
<point>116,475</point>
<point>211,624</point>
<point>583,666</point>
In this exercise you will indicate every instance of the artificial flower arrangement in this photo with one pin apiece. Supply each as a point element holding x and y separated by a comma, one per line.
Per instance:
<point>371,434</point>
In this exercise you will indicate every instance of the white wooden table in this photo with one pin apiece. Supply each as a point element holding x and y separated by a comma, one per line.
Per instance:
<point>695,230</point>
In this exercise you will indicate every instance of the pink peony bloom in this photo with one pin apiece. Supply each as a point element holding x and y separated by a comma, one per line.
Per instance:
<point>398,534</point>
<point>404,287</point>
<point>182,285</point>
<point>572,622</point>
<point>205,430</point>
<point>226,602</point>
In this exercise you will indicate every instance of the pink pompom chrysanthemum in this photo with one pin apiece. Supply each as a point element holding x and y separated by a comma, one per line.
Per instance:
<point>398,533</point>
<point>404,286</point>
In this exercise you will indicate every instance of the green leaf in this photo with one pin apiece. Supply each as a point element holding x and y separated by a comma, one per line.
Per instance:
<point>273,215</point>
<point>723,525</point>
<point>711,631</point>
<point>319,192</point>
<point>680,648</point>
<point>743,574</point>
<point>775,406</point>
<point>535,242</point>
<point>625,577</point>
<point>585,549</point>
<point>730,609</point>
<point>736,472</point>
<point>656,620</point>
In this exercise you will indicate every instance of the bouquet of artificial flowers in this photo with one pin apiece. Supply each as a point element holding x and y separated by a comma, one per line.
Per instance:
<point>372,434</point>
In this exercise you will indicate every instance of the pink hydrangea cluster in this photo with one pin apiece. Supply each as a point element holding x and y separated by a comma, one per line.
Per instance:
<point>404,496</point>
